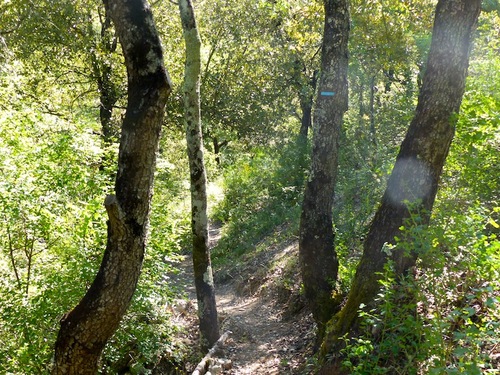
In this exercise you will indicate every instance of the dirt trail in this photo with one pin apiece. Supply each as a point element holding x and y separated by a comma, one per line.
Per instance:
<point>261,341</point>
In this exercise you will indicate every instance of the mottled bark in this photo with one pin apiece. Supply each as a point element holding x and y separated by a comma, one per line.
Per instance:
<point>318,260</point>
<point>205,289</point>
<point>414,179</point>
<point>86,329</point>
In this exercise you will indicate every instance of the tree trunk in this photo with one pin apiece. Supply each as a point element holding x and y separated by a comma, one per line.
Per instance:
<point>414,180</point>
<point>373,135</point>
<point>102,70</point>
<point>318,260</point>
<point>217,148</point>
<point>205,289</point>
<point>361,104</point>
<point>306,120</point>
<point>306,105</point>
<point>86,329</point>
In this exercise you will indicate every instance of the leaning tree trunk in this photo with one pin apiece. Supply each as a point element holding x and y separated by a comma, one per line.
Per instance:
<point>205,289</point>
<point>86,329</point>
<point>318,260</point>
<point>413,183</point>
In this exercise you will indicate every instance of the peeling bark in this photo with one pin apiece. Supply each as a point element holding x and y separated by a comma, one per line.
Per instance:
<point>204,283</point>
<point>86,329</point>
<point>318,260</point>
<point>415,177</point>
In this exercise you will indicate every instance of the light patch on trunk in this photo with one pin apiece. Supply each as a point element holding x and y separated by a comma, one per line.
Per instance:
<point>208,277</point>
<point>198,203</point>
<point>411,181</point>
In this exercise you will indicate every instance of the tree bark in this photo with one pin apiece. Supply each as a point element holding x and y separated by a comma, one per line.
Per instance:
<point>413,184</point>
<point>306,120</point>
<point>203,366</point>
<point>86,329</point>
<point>205,289</point>
<point>318,260</point>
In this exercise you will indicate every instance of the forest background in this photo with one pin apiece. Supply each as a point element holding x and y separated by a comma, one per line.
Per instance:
<point>62,97</point>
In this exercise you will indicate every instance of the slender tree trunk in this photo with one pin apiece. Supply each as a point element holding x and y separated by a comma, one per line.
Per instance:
<point>86,329</point>
<point>108,90</point>
<point>413,183</point>
<point>205,289</point>
<point>361,104</point>
<point>217,148</point>
<point>372,111</point>
<point>306,104</point>
<point>306,120</point>
<point>318,260</point>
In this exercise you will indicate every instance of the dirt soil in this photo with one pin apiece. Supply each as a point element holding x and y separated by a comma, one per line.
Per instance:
<point>271,332</point>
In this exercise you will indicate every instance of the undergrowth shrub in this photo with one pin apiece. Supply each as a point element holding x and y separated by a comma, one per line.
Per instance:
<point>446,319</point>
<point>261,191</point>
<point>53,235</point>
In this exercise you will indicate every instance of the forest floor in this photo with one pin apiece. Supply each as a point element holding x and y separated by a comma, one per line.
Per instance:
<point>270,330</point>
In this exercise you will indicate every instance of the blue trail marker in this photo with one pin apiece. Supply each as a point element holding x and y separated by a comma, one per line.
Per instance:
<point>327,93</point>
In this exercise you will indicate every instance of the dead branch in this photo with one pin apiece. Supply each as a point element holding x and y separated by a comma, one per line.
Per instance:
<point>202,367</point>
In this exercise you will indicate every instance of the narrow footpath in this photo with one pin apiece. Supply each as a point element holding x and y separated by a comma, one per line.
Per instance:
<point>263,339</point>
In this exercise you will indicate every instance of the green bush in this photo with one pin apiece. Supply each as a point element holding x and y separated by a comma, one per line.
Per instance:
<point>445,319</point>
<point>53,235</point>
<point>262,190</point>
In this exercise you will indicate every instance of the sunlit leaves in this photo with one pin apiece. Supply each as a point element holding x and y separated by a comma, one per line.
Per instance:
<point>248,83</point>
<point>50,185</point>
<point>384,31</point>
<point>475,154</point>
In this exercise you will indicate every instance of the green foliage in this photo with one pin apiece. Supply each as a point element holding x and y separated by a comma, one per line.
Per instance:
<point>463,283</point>
<point>364,166</point>
<point>261,191</point>
<point>55,175</point>
<point>52,226</point>
<point>443,321</point>
<point>388,41</point>
<point>491,6</point>
<point>392,332</point>
<point>170,216</point>
<point>145,334</point>
<point>453,322</point>
<point>383,91</point>
<point>253,57</point>
<point>56,172</point>
<point>259,57</point>
<point>474,165</point>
